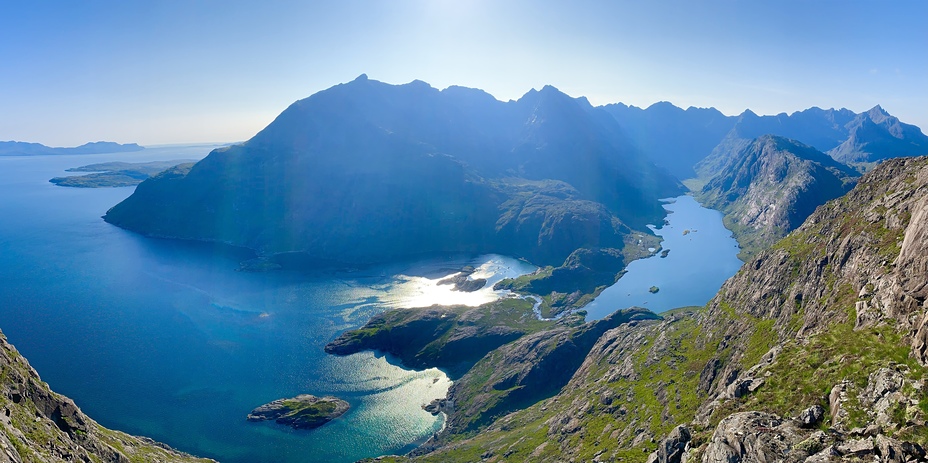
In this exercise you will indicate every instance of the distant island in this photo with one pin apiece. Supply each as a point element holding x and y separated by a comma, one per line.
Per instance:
<point>18,148</point>
<point>301,412</point>
<point>115,174</point>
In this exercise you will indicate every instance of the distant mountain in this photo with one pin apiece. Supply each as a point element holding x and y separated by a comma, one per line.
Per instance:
<point>770,185</point>
<point>367,171</point>
<point>876,135</point>
<point>673,138</point>
<point>848,137</point>
<point>18,148</point>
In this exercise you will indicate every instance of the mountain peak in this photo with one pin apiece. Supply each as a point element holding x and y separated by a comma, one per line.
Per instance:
<point>877,114</point>
<point>361,78</point>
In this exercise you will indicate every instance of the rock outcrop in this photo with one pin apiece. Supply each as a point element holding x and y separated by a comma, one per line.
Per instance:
<point>38,425</point>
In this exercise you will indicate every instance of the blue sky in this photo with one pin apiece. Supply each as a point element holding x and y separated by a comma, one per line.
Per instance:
<point>194,71</point>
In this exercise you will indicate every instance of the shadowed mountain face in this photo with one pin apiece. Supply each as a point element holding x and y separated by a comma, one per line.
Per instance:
<point>367,171</point>
<point>673,138</point>
<point>770,186</point>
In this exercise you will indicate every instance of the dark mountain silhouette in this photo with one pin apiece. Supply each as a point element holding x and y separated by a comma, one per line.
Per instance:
<point>367,171</point>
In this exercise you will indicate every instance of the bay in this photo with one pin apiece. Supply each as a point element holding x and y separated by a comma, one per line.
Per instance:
<point>166,339</point>
<point>701,255</point>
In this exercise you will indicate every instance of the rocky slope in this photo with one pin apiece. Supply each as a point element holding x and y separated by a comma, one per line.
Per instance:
<point>38,425</point>
<point>770,186</point>
<point>370,172</point>
<point>814,351</point>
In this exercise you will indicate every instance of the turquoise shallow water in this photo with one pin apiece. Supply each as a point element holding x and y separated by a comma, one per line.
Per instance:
<point>166,339</point>
<point>703,254</point>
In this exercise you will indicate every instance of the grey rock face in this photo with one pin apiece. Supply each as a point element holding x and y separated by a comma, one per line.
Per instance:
<point>752,436</point>
<point>671,449</point>
<point>812,416</point>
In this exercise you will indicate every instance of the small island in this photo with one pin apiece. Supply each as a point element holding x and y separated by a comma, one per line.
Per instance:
<point>115,174</point>
<point>653,289</point>
<point>664,253</point>
<point>304,411</point>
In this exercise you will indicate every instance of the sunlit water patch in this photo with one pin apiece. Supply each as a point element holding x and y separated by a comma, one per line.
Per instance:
<point>422,291</point>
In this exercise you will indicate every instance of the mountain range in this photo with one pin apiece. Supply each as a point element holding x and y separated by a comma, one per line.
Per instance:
<point>370,172</point>
<point>18,148</point>
<point>815,351</point>
<point>366,172</point>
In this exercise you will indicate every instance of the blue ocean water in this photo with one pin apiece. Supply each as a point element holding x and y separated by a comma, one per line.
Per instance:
<point>166,339</point>
<point>702,255</point>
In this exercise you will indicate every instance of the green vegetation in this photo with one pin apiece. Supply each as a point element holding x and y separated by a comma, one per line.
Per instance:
<point>593,416</point>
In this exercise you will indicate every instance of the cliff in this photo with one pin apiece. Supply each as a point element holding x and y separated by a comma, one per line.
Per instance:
<point>768,187</point>
<point>39,425</point>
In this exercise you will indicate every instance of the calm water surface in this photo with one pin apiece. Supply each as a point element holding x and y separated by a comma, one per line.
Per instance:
<point>703,254</point>
<point>166,339</point>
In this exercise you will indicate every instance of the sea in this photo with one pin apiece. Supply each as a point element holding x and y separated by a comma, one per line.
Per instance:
<point>169,340</point>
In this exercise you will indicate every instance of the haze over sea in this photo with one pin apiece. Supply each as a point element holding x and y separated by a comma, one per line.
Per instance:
<point>166,339</point>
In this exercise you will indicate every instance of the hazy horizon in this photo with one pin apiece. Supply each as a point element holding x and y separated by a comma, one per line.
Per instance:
<point>181,72</point>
